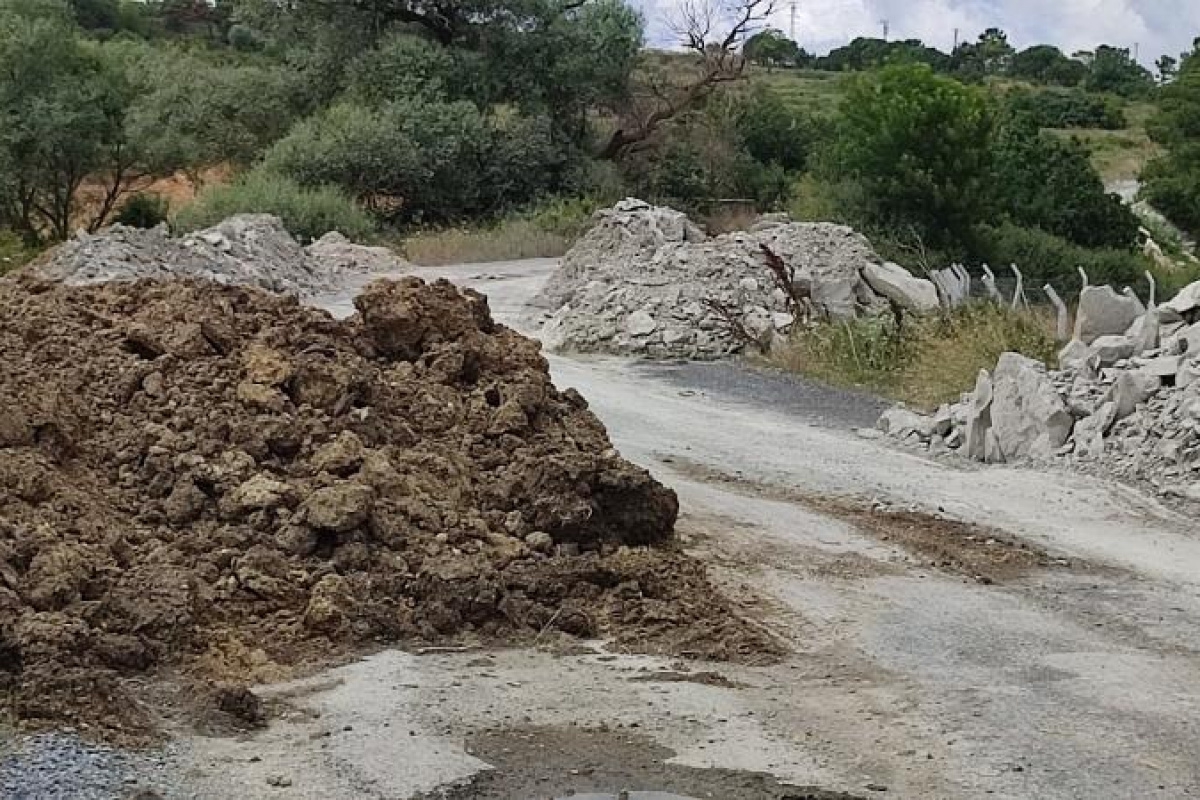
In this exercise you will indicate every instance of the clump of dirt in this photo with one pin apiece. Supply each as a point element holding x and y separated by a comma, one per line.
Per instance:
<point>226,482</point>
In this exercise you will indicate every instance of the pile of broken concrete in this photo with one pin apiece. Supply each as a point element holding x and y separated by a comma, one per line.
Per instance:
<point>1126,397</point>
<point>245,250</point>
<point>647,281</point>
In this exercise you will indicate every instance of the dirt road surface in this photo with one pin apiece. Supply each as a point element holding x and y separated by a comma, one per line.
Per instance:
<point>1049,647</point>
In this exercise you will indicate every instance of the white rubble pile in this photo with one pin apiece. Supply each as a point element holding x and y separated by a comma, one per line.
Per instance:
<point>646,281</point>
<point>1127,403</point>
<point>245,249</point>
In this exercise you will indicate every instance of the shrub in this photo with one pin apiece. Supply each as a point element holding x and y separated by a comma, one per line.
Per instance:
<point>14,252</point>
<point>1061,108</point>
<point>143,211</point>
<point>307,212</point>
<point>915,147</point>
<point>1046,182</point>
<point>1044,257</point>
<point>417,161</point>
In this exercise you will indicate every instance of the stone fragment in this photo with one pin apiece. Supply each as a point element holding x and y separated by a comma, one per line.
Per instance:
<point>341,507</point>
<point>979,418</point>
<point>1029,418</point>
<point>1111,349</point>
<point>1131,388</point>
<point>1103,312</point>
<point>901,286</point>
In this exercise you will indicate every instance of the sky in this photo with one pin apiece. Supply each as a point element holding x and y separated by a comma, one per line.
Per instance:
<point>1155,27</point>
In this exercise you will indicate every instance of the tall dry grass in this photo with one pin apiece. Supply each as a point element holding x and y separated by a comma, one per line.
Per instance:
<point>930,360</point>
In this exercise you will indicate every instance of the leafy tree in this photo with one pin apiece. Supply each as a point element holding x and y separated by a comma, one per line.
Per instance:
<point>867,53</point>
<point>771,48</point>
<point>63,106</point>
<point>1046,64</point>
<point>774,132</point>
<point>1171,182</point>
<point>1114,70</point>
<point>913,150</point>
<point>1168,68</point>
<point>1063,108</point>
<point>991,54</point>
<point>413,160</point>
<point>194,113</point>
<point>1044,182</point>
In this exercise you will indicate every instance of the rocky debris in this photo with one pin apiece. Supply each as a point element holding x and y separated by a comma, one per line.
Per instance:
<point>420,477</point>
<point>1135,416</point>
<point>1029,419</point>
<point>898,285</point>
<point>340,256</point>
<point>646,281</point>
<point>1103,312</point>
<point>246,250</point>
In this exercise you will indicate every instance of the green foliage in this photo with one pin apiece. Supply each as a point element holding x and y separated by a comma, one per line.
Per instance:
<point>1172,182</point>
<point>867,53</point>
<point>991,54</point>
<point>14,251</point>
<point>1114,70</point>
<point>1046,64</point>
<point>1046,182</point>
<point>62,106</point>
<point>1061,108</point>
<point>912,150</point>
<point>928,361</point>
<point>143,211</point>
<point>307,213</point>
<point>402,67</point>
<point>1043,257</point>
<point>196,113</point>
<point>771,48</point>
<point>774,132</point>
<point>421,161</point>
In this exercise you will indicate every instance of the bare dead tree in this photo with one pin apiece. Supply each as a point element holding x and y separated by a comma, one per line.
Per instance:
<point>713,32</point>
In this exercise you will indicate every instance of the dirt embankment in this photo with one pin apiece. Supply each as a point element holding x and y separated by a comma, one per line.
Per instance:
<point>226,482</point>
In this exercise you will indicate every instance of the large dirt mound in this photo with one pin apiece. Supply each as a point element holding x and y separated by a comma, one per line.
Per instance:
<point>245,250</point>
<point>199,475</point>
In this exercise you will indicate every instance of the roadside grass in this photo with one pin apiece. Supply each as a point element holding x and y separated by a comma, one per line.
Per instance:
<point>545,231</point>
<point>508,241</point>
<point>929,361</point>
<point>14,253</point>
<point>1117,155</point>
<point>814,91</point>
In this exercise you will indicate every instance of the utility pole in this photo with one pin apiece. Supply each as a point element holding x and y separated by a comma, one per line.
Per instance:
<point>955,40</point>
<point>884,23</point>
<point>792,31</point>
<point>1136,47</point>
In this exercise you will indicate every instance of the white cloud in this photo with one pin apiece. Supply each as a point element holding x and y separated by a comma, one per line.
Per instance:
<point>1156,26</point>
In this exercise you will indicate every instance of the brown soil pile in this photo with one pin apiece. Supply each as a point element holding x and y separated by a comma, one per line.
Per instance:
<point>216,478</point>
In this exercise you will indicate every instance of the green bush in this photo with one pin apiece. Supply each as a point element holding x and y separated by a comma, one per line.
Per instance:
<point>912,153</point>
<point>14,252</point>
<point>1172,182</point>
<point>1046,182</point>
<point>143,211</point>
<point>1066,108</point>
<point>1044,257</point>
<point>416,161</point>
<point>774,132</point>
<point>307,212</point>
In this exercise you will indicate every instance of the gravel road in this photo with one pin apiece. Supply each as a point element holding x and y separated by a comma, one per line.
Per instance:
<point>1076,679</point>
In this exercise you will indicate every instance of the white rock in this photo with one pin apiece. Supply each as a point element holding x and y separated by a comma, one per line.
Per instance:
<point>640,323</point>
<point>1103,312</point>
<point>1131,388</point>
<point>1075,355</point>
<point>1089,433</point>
<point>899,285</point>
<point>1110,349</point>
<point>979,418</point>
<point>1185,302</point>
<point>900,422</point>
<point>1029,418</point>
